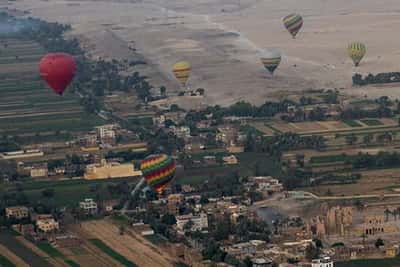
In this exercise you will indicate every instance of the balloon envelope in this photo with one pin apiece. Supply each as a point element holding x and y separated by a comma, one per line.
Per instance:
<point>182,71</point>
<point>158,171</point>
<point>356,52</point>
<point>58,70</point>
<point>271,60</point>
<point>293,23</point>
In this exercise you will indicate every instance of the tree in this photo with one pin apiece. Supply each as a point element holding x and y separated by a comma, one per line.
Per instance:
<point>351,139</point>
<point>367,139</point>
<point>163,90</point>
<point>387,213</point>
<point>318,243</point>
<point>312,252</point>
<point>121,229</point>
<point>247,262</point>
<point>48,193</point>
<point>358,204</point>
<point>200,91</point>
<point>379,243</point>
<point>364,238</point>
<point>188,226</point>
<point>168,219</point>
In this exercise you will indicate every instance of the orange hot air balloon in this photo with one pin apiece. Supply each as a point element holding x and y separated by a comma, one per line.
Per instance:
<point>58,70</point>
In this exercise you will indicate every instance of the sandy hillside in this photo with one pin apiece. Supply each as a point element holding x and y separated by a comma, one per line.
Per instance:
<point>224,40</point>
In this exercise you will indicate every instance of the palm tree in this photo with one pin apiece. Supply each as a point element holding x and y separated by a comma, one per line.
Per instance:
<point>398,211</point>
<point>364,237</point>
<point>387,213</point>
<point>395,213</point>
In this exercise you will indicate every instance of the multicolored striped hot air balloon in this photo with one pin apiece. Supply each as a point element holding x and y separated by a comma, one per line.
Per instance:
<point>182,71</point>
<point>293,23</point>
<point>356,52</point>
<point>158,171</point>
<point>271,60</point>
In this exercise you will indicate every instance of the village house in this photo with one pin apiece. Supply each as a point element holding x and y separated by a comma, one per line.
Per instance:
<point>46,224</point>
<point>199,222</point>
<point>227,135</point>
<point>39,171</point>
<point>106,134</point>
<point>265,184</point>
<point>89,140</point>
<point>181,131</point>
<point>142,229</point>
<point>173,203</point>
<point>88,206</point>
<point>17,212</point>
<point>323,262</point>
<point>261,262</point>
<point>230,160</point>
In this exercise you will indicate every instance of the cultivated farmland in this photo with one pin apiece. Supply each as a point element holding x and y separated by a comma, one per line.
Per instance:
<point>28,107</point>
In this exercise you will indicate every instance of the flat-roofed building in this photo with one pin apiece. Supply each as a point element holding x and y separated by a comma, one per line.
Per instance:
<point>88,206</point>
<point>47,225</point>
<point>17,212</point>
<point>199,222</point>
<point>106,170</point>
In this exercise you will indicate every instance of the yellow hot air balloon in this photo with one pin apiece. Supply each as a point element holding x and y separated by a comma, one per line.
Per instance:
<point>182,71</point>
<point>356,52</point>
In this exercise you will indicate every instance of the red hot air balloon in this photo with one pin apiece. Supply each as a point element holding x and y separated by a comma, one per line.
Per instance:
<point>58,70</point>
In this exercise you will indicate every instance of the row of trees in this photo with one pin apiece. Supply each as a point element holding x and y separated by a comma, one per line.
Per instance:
<point>380,160</point>
<point>380,78</point>
<point>277,144</point>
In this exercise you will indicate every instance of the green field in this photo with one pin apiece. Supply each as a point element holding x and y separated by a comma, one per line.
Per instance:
<point>112,253</point>
<point>72,263</point>
<point>28,105</point>
<point>394,262</point>
<point>352,123</point>
<point>54,253</point>
<point>26,254</point>
<point>49,249</point>
<point>4,262</point>
<point>372,122</point>
<point>330,158</point>
<point>249,164</point>
<point>66,193</point>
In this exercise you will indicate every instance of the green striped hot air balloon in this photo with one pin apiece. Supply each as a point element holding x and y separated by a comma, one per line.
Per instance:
<point>293,23</point>
<point>271,60</point>
<point>356,52</point>
<point>158,171</point>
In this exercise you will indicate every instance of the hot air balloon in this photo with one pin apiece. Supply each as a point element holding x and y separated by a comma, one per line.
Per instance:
<point>158,171</point>
<point>58,70</point>
<point>181,71</point>
<point>356,52</point>
<point>293,23</point>
<point>271,60</point>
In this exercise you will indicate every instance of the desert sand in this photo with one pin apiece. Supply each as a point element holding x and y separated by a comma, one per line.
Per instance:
<point>224,40</point>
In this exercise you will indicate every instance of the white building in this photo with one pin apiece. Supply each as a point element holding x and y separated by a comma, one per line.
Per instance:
<point>199,222</point>
<point>88,206</point>
<point>266,183</point>
<point>106,134</point>
<point>323,262</point>
<point>181,132</point>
